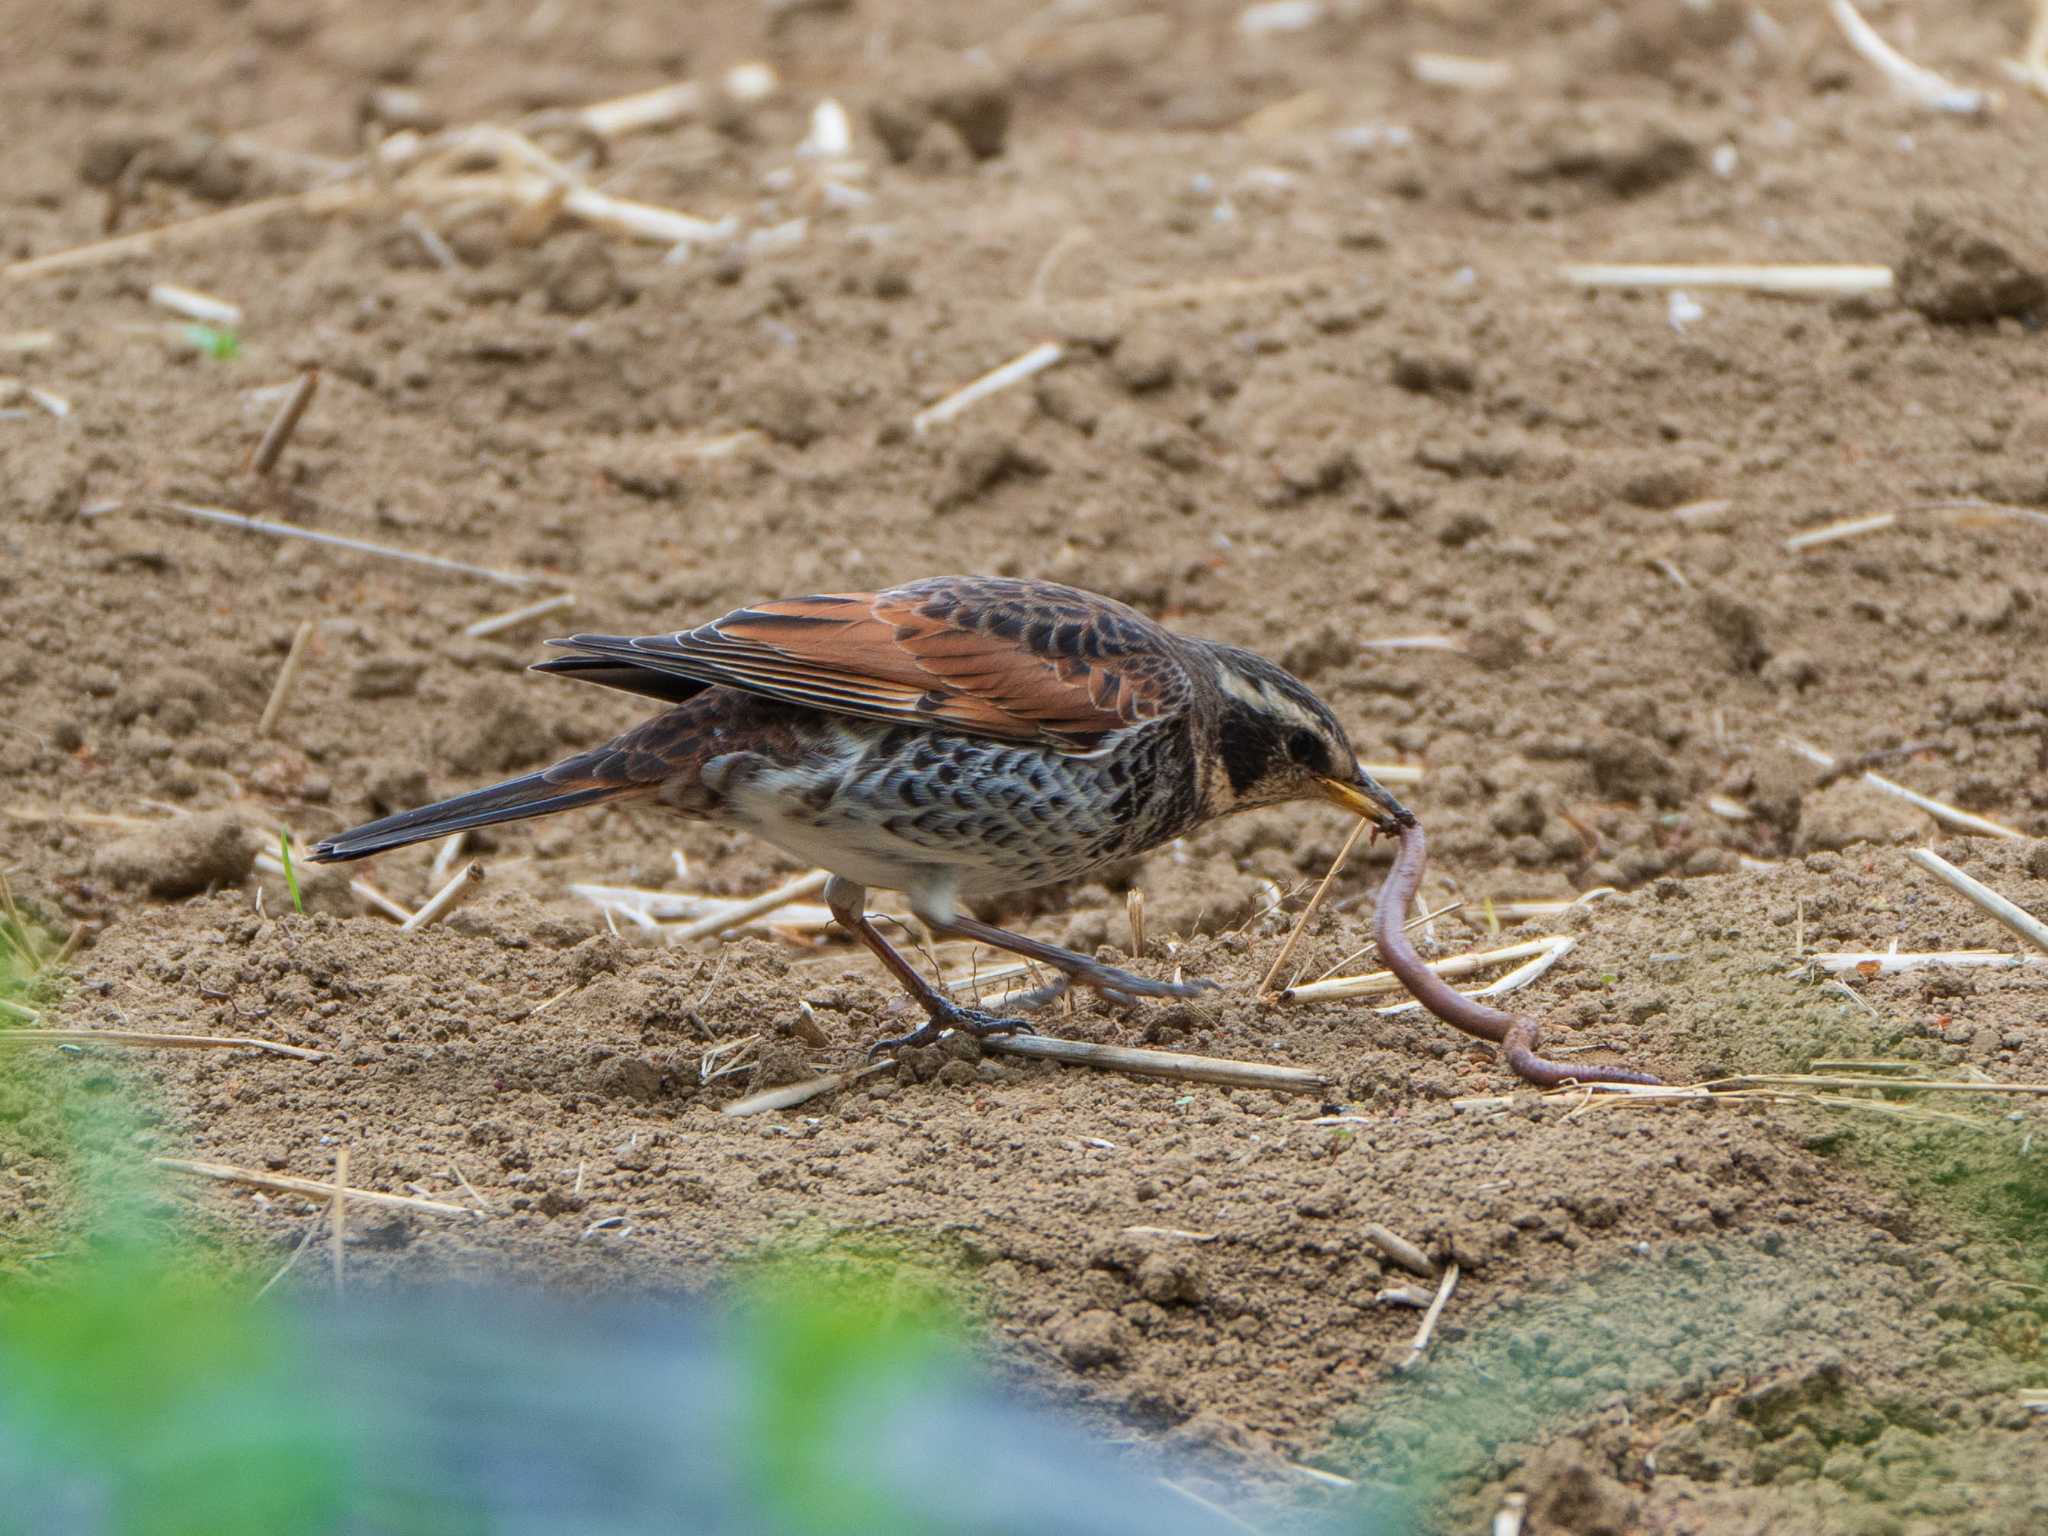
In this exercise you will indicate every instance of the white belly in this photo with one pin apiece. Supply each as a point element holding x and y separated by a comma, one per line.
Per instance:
<point>841,837</point>
<point>864,855</point>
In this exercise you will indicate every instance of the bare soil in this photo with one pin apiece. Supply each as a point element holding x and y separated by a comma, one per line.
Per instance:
<point>1322,386</point>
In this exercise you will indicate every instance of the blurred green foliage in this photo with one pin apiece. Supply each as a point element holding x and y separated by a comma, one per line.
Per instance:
<point>171,1396</point>
<point>131,1354</point>
<point>29,983</point>
<point>1991,1183</point>
<point>214,341</point>
<point>138,1373</point>
<point>28,969</point>
<point>825,1329</point>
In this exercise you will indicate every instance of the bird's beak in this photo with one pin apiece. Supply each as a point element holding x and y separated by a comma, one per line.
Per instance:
<point>1366,796</point>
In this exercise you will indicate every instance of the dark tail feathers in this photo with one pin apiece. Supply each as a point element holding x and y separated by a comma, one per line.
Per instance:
<point>608,672</point>
<point>536,794</point>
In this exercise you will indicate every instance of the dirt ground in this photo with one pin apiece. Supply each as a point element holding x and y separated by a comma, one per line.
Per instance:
<point>1322,386</point>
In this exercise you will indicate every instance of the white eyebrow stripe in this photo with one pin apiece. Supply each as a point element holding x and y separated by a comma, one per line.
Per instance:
<point>1243,689</point>
<point>1293,709</point>
<point>1269,700</point>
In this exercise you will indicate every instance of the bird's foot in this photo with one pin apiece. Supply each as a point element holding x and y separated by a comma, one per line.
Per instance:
<point>969,1021</point>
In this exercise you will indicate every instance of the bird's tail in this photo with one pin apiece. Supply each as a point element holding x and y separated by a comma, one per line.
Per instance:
<point>560,788</point>
<point>671,749</point>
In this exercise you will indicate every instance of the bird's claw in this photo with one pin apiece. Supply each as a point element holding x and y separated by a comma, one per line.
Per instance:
<point>969,1021</point>
<point>1114,985</point>
<point>981,1025</point>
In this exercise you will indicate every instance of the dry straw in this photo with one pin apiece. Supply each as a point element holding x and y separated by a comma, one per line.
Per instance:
<point>2031,67</point>
<point>1015,371</point>
<point>279,433</point>
<point>1948,815</point>
<point>143,1037</point>
<point>1912,82</point>
<point>1400,1250</point>
<point>1828,280</point>
<point>789,1095</point>
<point>452,895</point>
<point>1823,1090</point>
<point>738,914</point>
<point>1458,72</point>
<point>1424,1334</point>
<point>1314,901</point>
<point>658,911</point>
<point>446,855</point>
<point>409,171</point>
<point>512,618</point>
<point>2014,917</point>
<point>312,1189</point>
<point>230,519</point>
<point>1168,1064</point>
<point>1889,962</point>
<point>1538,955</point>
<point>287,679</point>
<point>193,305</point>
<point>1832,533</point>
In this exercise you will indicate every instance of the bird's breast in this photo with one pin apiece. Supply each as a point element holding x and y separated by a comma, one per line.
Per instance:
<point>889,805</point>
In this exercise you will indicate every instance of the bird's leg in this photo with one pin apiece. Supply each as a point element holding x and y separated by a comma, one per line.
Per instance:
<point>1122,985</point>
<point>848,902</point>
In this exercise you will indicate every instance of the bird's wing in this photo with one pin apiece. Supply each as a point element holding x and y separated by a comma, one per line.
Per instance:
<point>1017,660</point>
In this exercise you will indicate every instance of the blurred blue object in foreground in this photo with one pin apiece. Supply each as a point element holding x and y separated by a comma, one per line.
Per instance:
<point>487,1412</point>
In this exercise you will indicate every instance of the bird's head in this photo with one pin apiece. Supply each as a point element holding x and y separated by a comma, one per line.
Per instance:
<point>1276,741</point>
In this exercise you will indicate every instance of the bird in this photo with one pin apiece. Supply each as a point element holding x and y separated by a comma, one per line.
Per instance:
<point>957,739</point>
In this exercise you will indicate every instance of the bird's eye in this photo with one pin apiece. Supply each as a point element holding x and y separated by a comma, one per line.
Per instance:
<point>1307,749</point>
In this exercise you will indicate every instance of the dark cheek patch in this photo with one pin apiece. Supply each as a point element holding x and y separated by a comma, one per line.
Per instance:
<point>1311,753</point>
<point>1247,747</point>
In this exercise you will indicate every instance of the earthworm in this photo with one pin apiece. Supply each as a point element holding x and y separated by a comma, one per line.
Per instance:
<point>1515,1033</point>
